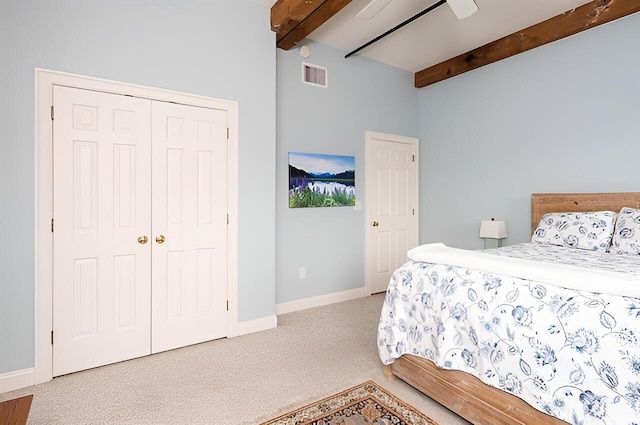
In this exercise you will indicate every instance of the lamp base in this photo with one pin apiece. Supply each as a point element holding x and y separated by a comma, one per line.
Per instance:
<point>490,243</point>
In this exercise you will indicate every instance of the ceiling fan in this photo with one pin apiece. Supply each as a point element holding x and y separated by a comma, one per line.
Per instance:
<point>461,8</point>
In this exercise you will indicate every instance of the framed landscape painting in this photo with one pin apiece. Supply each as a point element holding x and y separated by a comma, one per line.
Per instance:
<point>321,180</point>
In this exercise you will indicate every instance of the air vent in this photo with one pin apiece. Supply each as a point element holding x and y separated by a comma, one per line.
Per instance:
<point>314,75</point>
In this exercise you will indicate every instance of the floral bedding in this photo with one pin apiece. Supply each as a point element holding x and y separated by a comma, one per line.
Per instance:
<point>570,353</point>
<point>628,264</point>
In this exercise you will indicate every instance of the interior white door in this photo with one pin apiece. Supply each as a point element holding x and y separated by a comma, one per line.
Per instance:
<point>189,218</point>
<point>391,205</point>
<point>101,208</point>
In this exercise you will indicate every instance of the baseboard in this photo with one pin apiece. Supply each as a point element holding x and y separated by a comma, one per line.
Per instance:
<point>321,300</point>
<point>12,381</point>
<point>251,326</point>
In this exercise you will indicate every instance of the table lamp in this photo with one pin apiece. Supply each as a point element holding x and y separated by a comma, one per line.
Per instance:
<point>493,231</point>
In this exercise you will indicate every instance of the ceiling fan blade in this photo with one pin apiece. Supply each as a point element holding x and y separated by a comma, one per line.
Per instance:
<point>372,9</point>
<point>463,8</point>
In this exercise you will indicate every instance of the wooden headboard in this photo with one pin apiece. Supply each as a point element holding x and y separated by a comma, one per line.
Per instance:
<point>542,203</point>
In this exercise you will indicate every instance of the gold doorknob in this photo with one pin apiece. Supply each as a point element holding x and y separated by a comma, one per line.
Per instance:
<point>160,238</point>
<point>375,224</point>
<point>142,240</point>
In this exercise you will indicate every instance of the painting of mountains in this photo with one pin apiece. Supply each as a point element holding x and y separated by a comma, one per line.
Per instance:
<point>321,180</point>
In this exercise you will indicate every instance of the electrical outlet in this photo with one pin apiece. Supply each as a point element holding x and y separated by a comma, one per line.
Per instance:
<point>303,273</point>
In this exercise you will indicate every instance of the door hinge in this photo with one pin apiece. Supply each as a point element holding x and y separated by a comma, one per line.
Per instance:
<point>227,305</point>
<point>227,218</point>
<point>413,211</point>
<point>51,112</point>
<point>413,158</point>
<point>227,133</point>
<point>51,337</point>
<point>51,225</point>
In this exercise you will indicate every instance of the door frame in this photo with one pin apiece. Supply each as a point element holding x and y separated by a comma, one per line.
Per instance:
<point>43,243</point>
<point>369,195</point>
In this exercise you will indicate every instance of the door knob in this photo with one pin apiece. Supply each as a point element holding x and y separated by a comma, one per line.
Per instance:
<point>375,224</point>
<point>160,239</point>
<point>142,240</point>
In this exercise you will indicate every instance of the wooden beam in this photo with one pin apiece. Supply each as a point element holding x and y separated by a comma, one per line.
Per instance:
<point>287,14</point>
<point>587,16</point>
<point>294,20</point>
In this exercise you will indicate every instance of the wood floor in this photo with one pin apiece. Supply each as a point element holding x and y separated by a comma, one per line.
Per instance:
<point>16,411</point>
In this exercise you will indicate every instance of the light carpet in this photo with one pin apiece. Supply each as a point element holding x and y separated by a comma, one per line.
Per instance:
<point>243,380</point>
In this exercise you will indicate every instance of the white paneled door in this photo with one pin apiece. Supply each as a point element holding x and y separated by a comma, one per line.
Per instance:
<point>101,207</point>
<point>391,205</point>
<point>189,225</point>
<point>140,227</point>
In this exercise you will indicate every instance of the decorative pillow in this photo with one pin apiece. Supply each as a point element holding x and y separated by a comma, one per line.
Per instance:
<point>626,237</point>
<point>584,230</point>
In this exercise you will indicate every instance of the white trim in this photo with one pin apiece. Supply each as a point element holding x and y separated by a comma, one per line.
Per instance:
<point>321,300</point>
<point>17,380</point>
<point>232,230</point>
<point>369,136</point>
<point>252,326</point>
<point>44,82</point>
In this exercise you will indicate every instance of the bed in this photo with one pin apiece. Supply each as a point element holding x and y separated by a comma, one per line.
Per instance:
<point>468,383</point>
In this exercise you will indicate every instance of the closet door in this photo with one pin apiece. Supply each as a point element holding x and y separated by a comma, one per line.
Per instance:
<point>189,220</point>
<point>101,208</point>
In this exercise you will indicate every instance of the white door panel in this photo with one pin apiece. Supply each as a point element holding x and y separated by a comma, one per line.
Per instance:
<point>111,302</point>
<point>101,280</point>
<point>190,214</point>
<point>391,205</point>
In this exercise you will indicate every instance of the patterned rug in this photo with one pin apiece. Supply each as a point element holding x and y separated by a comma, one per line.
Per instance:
<point>364,404</point>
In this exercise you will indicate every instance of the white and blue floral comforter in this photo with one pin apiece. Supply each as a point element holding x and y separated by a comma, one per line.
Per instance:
<point>571,353</point>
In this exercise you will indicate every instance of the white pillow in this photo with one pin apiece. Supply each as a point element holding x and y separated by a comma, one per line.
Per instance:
<point>626,237</point>
<point>584,230</point>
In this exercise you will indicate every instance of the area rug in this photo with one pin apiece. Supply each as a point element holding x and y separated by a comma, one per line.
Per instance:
<point>364,404</point>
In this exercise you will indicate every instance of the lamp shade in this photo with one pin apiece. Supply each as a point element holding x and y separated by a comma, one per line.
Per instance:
<point>493,229</point>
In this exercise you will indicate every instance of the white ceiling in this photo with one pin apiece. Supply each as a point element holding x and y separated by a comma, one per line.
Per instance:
<point>436,36</point>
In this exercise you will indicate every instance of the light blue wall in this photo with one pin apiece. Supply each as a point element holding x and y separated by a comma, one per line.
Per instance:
<point>217,48</point>
<point>564,117</point>
<point>362,95</point>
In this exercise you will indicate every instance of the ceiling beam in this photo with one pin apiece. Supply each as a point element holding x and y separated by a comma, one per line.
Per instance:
<point>574,21</point>
<point>294,20</point>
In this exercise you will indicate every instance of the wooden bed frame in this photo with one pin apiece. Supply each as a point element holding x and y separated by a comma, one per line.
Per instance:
<point>574,202</point>
<point>466,395</point>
